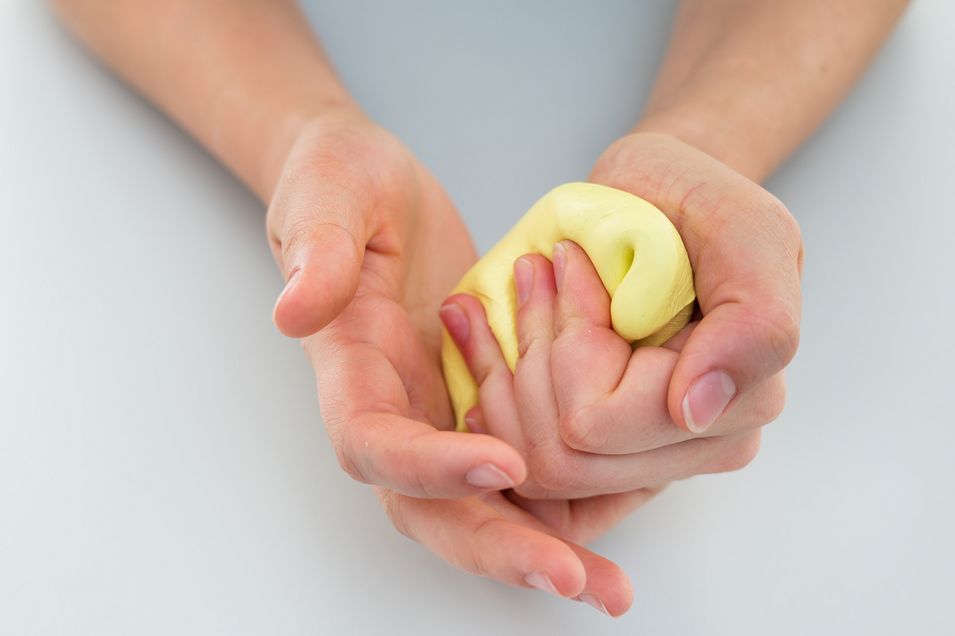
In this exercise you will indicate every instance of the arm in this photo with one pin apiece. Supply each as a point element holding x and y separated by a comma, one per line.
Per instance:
<point>747,81</point>
<point>241,77</point>
<point>743,84</point>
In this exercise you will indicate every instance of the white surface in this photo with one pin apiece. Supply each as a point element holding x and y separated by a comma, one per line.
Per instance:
<point>163,468</point>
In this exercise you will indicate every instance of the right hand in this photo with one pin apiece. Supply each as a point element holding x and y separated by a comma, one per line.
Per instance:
<point>370,245</point>
<point>593,417</point>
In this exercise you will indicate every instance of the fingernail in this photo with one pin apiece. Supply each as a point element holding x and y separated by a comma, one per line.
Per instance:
<point>488,476</point>
<point>473,422</point>
<point>542,582</point>
<point>707,399</point>
<point>594,602</point>
<point>290,283</point>
<point>560,261</point>
<point>456,322</point>
<point>523,278</point>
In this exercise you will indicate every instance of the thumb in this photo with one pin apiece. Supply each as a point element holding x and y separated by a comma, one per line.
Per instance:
<point>319,238</point>
<point>734,348</point>
<point>750,300</point>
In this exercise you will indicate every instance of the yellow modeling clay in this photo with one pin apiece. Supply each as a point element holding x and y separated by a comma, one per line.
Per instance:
<point>636,251</point>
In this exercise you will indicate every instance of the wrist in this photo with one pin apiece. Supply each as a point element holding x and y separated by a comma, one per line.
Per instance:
<point>284,132</point>
<point>713,133</point>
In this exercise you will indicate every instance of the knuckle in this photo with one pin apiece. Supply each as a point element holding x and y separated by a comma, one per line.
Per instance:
<point>474,560</point>
<point>739,454</point>
<point>582,429</point>
<point>786,220</point>
<point>394,508</point>
<point>300,230</point>
<point>297,233</point>
<point>488,372</point>
<point>349,465</point>
<point>551,469</point>
<point>528,343</point>
<point>775,400</point>
<point>777,327</point>
<point>788,228</point>
<point>343,443</point>
<point>784,333</point>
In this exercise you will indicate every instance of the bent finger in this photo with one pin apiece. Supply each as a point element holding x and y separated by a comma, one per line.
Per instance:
<point>365,408</point>
<point>588,357</point>
<point>474,536</point>
<point>466,322</point>
<point>318,232</point>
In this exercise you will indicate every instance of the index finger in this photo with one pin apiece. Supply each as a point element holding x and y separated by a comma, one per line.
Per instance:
<point>384,437</point>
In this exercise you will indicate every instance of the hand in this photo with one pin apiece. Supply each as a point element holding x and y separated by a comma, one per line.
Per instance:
<point>370,245</point>
<point>746,252</point>
<point>590,414</point>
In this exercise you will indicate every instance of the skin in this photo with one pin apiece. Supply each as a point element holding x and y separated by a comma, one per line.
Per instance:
<point>370,245</point>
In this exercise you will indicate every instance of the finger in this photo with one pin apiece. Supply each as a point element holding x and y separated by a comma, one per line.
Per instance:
<point>536,292</point>
<point>635,418</point>
<point>317,228</point>
<point>733,350</point>
<point>464,318</point>
<point>369,419</point>
<point>736,452</point>
<point>568,474</point>
<point>678,341</point>
<point>533,384</point>
<point>588,358</point>
<point>466,322</point>
<point>750,307</point>
<point>583,520</point>
<point>536,404</point>
<point>474,419</point>
<point>582,300</point>
<point>607,588</point>
<point>474,536</point>
<point>416,459</point>
<point>745,249</point>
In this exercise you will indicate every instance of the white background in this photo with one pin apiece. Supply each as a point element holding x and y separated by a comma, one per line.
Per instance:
<point>163,468</point>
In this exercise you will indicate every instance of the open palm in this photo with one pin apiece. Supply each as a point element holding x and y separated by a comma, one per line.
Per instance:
<point>371,245</point>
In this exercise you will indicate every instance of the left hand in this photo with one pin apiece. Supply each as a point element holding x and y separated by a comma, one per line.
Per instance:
<point>371,244</point>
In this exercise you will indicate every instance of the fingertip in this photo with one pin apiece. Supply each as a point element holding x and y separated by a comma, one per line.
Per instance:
<point>456,322</point>
<point>581,295</point>
<point>542,274</point>
<point>308,303</point>
<point>474,420</point>
<point>289,314</point>
<point>619,599</point>
<point>560,571</point>
<point>495,465</point>
<point>560,262</point>
<point>534,320</point>
<point>606,582</point>
<point>471,307</point>
<point>465,319</point>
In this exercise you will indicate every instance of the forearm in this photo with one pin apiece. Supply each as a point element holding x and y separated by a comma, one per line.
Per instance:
<point>748,80</point>
<point>240,77</point>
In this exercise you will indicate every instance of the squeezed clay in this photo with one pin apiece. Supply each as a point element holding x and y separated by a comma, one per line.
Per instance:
<point>634,247</point>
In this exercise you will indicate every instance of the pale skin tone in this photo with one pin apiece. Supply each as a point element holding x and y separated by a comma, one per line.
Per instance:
<point>370,246</point>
